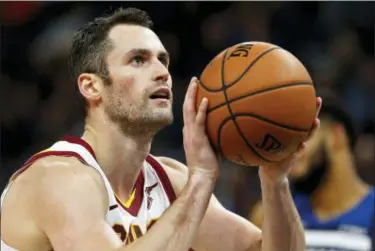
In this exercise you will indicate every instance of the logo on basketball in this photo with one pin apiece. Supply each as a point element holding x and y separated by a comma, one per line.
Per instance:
<point>270,144</point>
<point>241,51</point>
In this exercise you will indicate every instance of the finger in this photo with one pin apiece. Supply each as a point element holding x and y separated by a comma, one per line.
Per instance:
<point>188,89</point>
<point>319,103</point>
<point>185,137</point>
<point>189,111</point>
<point>315,126</point>
<point>200,119</point>
<point>190,103</point>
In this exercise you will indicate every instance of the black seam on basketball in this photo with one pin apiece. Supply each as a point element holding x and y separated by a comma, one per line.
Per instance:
<point>208,89</point>
<point>239,77</point>
<point>271,122</point>
<point>219,134</point>
<point>222,124</point>
<point>259,92</point>
<point>251,64</point>
<point>230,110</point>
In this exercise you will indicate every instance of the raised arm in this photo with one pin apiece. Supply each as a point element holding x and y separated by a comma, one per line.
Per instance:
<point>70,203</point>
<point>222,230</point>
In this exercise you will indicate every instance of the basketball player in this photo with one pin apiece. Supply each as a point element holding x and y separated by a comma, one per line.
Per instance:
<point>105,192</point>
<point>336,206</point>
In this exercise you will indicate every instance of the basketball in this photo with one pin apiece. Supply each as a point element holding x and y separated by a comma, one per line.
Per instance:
<point>261,103</point>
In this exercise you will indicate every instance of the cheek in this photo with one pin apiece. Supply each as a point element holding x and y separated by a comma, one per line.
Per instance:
<point>122,76</point>
<point>129,84</point>
<point>123,88</point>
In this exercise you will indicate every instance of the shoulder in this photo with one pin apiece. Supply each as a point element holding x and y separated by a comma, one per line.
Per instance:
<point>52,179</point>
<point>177,172</point>
<point>52,169</point>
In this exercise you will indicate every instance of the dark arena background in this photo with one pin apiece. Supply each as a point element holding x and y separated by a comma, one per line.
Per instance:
<point>335,41</point>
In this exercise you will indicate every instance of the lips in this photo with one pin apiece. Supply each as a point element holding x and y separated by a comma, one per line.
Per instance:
<point>161,93</point>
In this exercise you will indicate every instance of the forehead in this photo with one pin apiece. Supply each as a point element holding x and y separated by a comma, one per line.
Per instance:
<point>126,37</point>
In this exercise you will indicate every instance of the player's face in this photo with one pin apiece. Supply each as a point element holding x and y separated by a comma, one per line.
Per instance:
<point>139,96</point>
<point>308,172</point>
<point>312,156</point>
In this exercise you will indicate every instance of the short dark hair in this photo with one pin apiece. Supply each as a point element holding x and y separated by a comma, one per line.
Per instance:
<point>335,110</point>
<point>91,44</point>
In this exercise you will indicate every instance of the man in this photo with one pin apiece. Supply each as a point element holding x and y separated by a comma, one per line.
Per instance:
<point>335,205</point>
<point>105,192</point>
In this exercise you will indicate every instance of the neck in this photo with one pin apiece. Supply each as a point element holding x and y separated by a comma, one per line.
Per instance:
<point>120,156</point>
<point>340,189</point>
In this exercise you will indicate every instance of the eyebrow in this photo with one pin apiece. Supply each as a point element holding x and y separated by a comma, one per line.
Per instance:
<point>163,54</point>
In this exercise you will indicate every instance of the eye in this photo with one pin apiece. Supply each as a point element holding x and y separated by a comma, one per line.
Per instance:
<point>164,61</point>
<point>137,61</point>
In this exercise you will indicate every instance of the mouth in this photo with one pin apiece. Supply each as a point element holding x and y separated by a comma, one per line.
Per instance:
<point>161,93</point>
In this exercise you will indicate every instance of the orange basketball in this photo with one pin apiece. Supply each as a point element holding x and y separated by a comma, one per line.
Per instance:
<point>262,103</point>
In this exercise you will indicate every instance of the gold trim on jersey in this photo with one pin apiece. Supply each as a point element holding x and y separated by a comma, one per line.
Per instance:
<point>129,202</point>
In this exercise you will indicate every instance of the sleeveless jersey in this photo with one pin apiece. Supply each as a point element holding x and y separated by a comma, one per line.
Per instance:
<point>152,194</point>
<point>351,231</point>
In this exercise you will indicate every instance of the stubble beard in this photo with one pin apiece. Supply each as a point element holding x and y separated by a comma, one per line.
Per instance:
<point>138,119</point>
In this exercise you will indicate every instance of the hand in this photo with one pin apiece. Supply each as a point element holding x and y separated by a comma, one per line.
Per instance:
<point>200,156</point>
<point>278,172</point>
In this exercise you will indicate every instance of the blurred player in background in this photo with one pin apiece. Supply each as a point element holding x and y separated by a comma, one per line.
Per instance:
<point>336,206</point>
<point>105,192</point>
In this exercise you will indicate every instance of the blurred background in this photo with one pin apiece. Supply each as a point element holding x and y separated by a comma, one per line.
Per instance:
<point>335,40</point>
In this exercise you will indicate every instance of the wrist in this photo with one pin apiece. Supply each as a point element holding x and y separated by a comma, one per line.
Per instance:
<point>204,175</point>
<point>274,180</point>
<point>274,190</point>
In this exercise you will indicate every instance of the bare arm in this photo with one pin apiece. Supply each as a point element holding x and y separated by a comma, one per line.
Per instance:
<point>222,230</point>
<point>178,226</point>
<point>71,205</point>
<point>257,216</point>
<point>282,227</point>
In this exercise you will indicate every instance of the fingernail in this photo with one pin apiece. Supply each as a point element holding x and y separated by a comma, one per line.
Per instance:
<point>193,79</point>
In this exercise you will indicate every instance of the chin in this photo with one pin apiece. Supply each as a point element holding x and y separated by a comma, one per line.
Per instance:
<point>162,113</point>
<point>159,118</point>
<point>164,119</point>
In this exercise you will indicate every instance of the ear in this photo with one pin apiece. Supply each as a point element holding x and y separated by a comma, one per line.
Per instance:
<point>90,87</point>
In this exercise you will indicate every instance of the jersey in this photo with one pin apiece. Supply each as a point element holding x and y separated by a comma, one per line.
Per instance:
<point>351,231</point>
<point>151,196</point>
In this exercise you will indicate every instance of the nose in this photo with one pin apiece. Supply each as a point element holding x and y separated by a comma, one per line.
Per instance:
<point>162,77</point>
<point>161,73</point>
